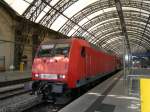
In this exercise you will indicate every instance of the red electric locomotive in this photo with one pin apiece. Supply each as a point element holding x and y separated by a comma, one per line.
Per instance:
<point>64,64</point>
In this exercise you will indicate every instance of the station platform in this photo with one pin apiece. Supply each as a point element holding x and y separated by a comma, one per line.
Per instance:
<point>109,96</point>
<point>134,77</point>
<point>14,75</point>
<point>140,72</point>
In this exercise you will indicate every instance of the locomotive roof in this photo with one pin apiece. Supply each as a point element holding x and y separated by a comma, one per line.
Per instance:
<point>54,41</point>
<point>61,40</point>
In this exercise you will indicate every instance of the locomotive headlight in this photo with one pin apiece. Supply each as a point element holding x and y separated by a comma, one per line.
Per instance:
<point>61,76</point>
<point>36,75</point>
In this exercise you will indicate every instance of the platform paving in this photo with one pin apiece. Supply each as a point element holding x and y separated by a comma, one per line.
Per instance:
<point>109,96</point>
<point>14,75</point>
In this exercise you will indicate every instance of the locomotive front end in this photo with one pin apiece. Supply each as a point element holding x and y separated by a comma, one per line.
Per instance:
<point>51,62</point>
<point>50,68</point>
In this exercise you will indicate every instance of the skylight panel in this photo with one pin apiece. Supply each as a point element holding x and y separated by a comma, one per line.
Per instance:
<point>53,2</point>
<point>106,21</point>
<point>59,23</point>
<point>95,14</point>
<point>76,7</point>
<point>135,9</point>
<point>42,14</point>
<point>47,8</point>
<point>18,5</point>
<point>73,30</point>
<point>83,21</point>
<point>29,1</point>
<point>113,39</point>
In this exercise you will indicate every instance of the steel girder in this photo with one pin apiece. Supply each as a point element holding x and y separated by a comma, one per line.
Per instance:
<point>96,31</point>
<point>99,5</point>
<point>69,19</point>
<point>109,16</point>
<point>134,30</point>
<point>113,48</point>
<point>37,6</point>
<point>107,30</point>
<point>53,14</point>
<point>35,9</point>
<point>112,35</point>
<point>92,8</point>
<point>103,39</point>
<point>107,25</point>
<point>133,41</point>
<point>143,34</point>
<point>123,24</point>
<point>134,38</point>
<point>106,17</point>
<point>117,47</point>
<point>109,34</point>
<point>94,21</point>
<point>95,7</point>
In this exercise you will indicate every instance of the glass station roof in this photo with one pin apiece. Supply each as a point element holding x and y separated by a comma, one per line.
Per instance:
<point>105,23</point>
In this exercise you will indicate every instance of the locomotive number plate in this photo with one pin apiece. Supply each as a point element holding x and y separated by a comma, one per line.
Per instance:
<point>49,76</point>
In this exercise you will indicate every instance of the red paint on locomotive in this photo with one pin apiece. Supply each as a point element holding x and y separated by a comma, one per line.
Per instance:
<point>81,64</point>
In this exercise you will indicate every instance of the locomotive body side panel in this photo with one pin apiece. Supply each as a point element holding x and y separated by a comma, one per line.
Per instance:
<point>77,65</point>
<point>95,65</point>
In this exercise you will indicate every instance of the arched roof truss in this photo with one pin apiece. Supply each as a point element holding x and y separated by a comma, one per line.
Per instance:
<point>101,22</point>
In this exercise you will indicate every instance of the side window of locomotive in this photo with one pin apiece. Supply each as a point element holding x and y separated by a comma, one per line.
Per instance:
<point>83,53</point>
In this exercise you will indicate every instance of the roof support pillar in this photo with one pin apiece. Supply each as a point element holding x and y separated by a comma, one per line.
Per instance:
<point>123,25</point>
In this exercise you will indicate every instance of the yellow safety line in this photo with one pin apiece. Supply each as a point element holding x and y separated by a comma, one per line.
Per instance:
<point>145,94</point>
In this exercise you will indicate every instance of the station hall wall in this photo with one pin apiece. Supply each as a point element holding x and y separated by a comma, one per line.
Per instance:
<point>6,33</point>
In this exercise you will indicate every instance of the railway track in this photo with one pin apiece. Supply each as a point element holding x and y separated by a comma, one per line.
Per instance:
<point>19,81</point>
<point>12,92</point>
<point>13,88</point>
<point>50,107</point>
<point>45,107</point>
<point>32,103</point>
<point>20,103</point>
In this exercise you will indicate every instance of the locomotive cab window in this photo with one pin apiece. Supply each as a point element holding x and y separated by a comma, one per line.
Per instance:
<point>83,53</point>
<point>50,50</point>
<point>45,50</point>
<point>62,49</point>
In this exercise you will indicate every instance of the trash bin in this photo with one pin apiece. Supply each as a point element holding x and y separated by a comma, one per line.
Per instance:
<point>21,66</point>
